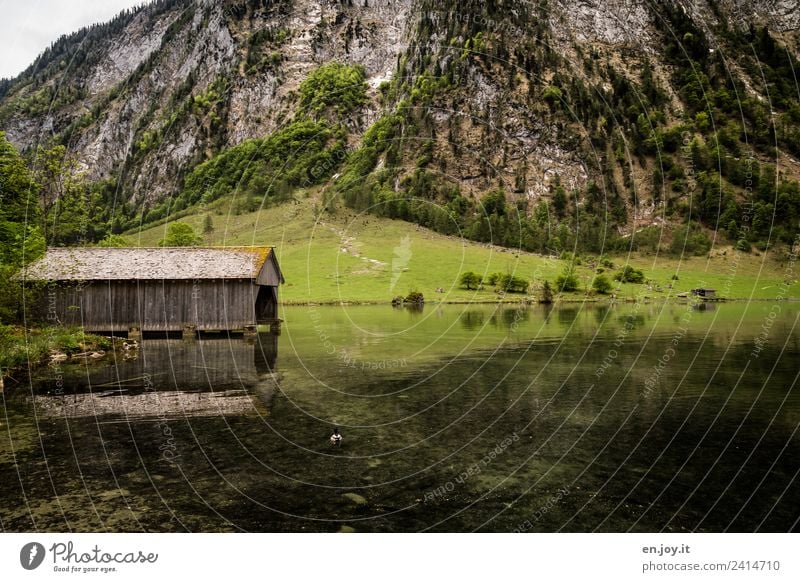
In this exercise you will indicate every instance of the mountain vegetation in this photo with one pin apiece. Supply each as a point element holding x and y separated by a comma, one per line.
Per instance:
<point>21,238</point>
<point>524,127</point>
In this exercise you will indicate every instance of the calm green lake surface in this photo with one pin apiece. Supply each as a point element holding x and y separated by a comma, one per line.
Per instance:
<point>635,417</point>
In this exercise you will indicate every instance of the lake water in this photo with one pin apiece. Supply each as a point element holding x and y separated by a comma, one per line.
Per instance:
<point>634,417</point>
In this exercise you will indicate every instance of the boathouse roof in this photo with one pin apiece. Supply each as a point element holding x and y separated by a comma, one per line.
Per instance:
<point>169,263</point>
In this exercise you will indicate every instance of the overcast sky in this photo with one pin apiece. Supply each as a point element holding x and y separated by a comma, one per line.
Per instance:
<point>27,27</point>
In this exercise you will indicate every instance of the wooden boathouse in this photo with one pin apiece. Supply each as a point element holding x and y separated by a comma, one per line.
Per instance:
<point>166,290</point>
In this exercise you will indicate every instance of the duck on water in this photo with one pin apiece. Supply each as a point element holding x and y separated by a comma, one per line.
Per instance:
<point>336,438</point>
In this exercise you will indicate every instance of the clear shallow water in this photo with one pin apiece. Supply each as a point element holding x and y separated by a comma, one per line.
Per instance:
<point>457,418</point>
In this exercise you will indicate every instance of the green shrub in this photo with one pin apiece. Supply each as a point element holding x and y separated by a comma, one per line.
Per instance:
<point>113,241</point>
<point>547,293</point>
<point>20,348</point>
<point>180,234</point>
<point>630,275</point>
<point>335,85</point>
<point>208,224</point>
<point>601,284</point>
<point>512,284</point>
<point>552,95</point>
<point>470,280</point>
<point>415,297</point>
<point>567,281</point>
<point>493,278</point>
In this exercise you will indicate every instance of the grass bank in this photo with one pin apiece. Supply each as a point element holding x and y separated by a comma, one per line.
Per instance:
<point>21,348</point>
<point>358,258</point>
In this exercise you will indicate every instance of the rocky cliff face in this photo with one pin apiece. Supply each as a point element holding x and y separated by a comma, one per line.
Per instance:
<point>527,96</point>
<point>161,59</point>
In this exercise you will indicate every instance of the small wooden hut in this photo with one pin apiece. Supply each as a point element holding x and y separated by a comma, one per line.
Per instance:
<point>705,293</point>
<point>135,290</point>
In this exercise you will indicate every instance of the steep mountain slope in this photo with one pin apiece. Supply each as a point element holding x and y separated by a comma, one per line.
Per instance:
<point>184,79</point>
<point>549,124</point>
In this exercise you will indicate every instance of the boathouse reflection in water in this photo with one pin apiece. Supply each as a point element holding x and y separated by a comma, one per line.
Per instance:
<point>168,378</point>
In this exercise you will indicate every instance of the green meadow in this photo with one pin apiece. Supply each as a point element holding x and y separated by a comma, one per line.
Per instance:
<point>349,257</point>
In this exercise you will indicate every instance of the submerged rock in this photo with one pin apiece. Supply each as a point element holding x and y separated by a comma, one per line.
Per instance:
<point>355,498</point>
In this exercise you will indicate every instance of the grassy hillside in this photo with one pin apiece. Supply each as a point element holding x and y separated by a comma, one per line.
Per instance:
<point>362,258</point>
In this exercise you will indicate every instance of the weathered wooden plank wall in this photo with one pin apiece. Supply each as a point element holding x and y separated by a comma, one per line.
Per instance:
<point>269,274</point>
<point>156,305</point>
